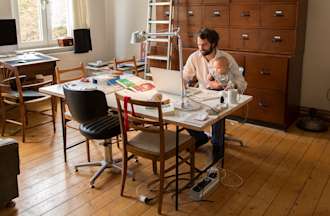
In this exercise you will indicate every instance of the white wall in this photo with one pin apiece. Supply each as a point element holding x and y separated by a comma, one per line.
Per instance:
<point>129,16</point>
<point>316,68</point>
<point>100,26</point>
<point>5,9</point>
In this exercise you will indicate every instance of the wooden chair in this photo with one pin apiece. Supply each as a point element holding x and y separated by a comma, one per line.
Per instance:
<point>13,94</point>
<point>154,143</point>
<point>74,73</point>
<point>132,61</point>
<point>80,72</point>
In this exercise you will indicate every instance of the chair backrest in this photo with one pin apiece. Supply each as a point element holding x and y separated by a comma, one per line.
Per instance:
<point>10,80</point>
<point>138,122</point>
<point>74,73</point>
<point>85,105</point>
<point>131,60</point>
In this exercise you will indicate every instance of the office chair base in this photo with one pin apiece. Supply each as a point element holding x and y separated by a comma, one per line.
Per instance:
<point>233,139</point>
<point>104,164</point>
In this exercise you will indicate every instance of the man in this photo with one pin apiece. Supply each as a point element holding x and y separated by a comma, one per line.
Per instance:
<point>199,65</point>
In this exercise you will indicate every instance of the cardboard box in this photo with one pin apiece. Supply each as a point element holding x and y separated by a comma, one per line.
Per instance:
<point>65,41</point>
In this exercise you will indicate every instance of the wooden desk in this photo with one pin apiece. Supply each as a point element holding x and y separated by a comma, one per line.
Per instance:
<point>32,64</point>
<point>179,119</point>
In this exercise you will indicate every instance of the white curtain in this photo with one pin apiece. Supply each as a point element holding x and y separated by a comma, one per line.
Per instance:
<point>80,14</point>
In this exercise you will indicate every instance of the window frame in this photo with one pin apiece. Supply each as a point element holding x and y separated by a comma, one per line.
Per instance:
<point>46,40</point>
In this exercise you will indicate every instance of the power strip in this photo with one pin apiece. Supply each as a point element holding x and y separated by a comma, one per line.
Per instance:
<point>206,185</point>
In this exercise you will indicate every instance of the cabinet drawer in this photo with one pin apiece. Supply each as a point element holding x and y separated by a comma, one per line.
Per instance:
<point>277,41</point>
<point>216,1</point>
<point>282,1</point>
<point>224,37</point>
<point>31,70</point>
<point>246,15</point>
<point>266,72</point>
<point>248,1</point>
<point>244,39</point>
<point>189,36</point>
<point>189,1</point>
<point>278,15</point>
<point>267,106</point>
<point>191,16</point>
<point>215,16</point>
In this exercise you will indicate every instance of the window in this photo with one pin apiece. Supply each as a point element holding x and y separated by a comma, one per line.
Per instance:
<point>41,22</point>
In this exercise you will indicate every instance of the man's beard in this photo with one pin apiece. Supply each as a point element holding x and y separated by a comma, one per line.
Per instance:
<point>207,52</point>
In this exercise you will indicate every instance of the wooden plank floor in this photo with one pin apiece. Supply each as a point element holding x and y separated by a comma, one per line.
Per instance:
<point>283,174</point>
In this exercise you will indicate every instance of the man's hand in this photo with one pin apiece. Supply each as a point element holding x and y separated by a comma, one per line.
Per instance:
<point>215,85</point>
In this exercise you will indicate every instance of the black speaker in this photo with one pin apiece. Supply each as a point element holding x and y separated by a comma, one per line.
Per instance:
<point>82,40</point>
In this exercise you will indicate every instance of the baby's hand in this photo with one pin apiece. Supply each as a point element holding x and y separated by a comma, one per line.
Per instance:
<point>210,77</point>
<point>214,85</point>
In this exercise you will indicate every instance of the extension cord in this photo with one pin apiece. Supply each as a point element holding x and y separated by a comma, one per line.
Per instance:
<point>206,185</point>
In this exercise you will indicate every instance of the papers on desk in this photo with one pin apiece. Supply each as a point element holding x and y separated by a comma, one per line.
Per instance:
<point>135,83</point>
<point>98,64</point>
<point>83,86</point>
<point>29,57</point>
<point>198,118</point>
<point>205,96</point>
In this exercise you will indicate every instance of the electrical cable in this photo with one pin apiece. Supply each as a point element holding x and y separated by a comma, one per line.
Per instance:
<point>152,187</point>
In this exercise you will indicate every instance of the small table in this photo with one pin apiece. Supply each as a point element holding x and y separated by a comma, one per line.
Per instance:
<point>33,63</point>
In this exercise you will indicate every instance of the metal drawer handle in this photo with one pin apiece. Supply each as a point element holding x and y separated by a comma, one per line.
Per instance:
<point>245,14</point>
<point>277,39</point>
<point>216,13</point>
<point>265,72</point>
<point>245,36</point>
<point>262,104</point>
<point>167,13</point>
<point>190,34</point>
<point>190,13</point>
<point>278,13</point>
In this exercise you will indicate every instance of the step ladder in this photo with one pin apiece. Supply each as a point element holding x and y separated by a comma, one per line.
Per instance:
<point>152,24</point>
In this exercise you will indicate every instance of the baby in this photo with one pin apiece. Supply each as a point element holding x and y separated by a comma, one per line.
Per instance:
<point>220,73</point>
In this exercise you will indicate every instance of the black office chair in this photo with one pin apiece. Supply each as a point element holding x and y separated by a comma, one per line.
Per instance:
<point>89,108</point>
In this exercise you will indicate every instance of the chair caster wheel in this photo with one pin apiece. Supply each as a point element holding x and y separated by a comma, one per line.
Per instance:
<point>76,170</point>
<point>92,186</point>
<point>133,179</point>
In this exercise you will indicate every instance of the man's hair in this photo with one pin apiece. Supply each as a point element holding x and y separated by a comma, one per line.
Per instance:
<point>210,35</point>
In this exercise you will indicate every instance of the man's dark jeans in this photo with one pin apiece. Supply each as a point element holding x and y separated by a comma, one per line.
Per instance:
<point>202,138</point>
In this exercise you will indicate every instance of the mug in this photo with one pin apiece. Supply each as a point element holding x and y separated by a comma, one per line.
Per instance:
<point>99,62</point>
<point>232,96</point>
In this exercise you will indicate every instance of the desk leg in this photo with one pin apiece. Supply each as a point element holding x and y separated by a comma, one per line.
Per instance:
<point>63,127</point>
<point>177,168</point>
<point>222,139</point>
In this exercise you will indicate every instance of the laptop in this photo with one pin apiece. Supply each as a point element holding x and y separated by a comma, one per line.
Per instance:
<point>169,81</point>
